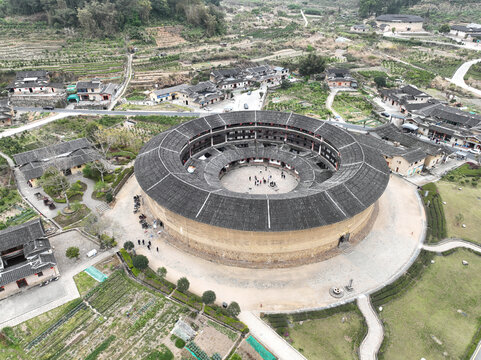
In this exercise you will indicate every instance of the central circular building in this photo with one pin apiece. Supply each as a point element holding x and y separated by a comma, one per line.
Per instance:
<point>261,188</point>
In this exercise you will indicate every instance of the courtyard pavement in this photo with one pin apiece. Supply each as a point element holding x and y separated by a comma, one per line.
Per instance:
<point>37,300</point>
<point>387,251</point>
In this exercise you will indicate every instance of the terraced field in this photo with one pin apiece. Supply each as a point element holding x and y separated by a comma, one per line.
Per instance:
<point>33,46</point>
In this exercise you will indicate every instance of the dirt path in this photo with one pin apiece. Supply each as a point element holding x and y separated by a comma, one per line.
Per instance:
<point>305,19</point>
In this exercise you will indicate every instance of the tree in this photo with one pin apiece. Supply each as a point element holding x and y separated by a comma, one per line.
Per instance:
<point>128,245</point>
<point>380,81</point>
<point>140,262</point>
<point>285,84</point>
<point>459,219</point>
<point>208,297</point>
<point>444,29</point>
<point>233,309</point>
<point>183,284</point>
<point>312,64</point>
<point>162,272</point>
<point>55,183</point>
<point>72,252</point>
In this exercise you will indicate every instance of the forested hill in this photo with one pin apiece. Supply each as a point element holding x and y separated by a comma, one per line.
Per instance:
<point>104,17</point>
<point>435,12</point>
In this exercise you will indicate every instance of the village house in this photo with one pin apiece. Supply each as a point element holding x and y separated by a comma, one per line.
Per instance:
<point>243,77</point>
<point>33,88</point>
<point>33,82</point>
<point>400,23</point>
<point>407,98</point>
<point>468,32</point>
<point>69,157</point>
<point>340,78</point>
<point>434,153</point>
<point>405,154</point>
<point>95,91</point>
<point>165,94</point>
<point>203,94</point>
<point>26,258</point>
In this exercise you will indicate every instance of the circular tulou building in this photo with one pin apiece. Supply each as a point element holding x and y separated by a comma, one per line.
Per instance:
<point>261,188</point>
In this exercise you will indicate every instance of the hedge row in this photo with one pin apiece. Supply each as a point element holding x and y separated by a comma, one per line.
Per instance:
<point>219,315</point>
<point>436,227</point>
<point>474,343</point>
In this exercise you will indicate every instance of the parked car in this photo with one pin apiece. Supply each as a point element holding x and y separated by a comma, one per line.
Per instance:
<point>385,114</point>
<point>249,92</point>
<point>246,106</point>
<point>48,107</point>
<point>474,151</point>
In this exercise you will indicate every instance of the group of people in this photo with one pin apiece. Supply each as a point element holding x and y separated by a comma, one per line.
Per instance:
<point>258,181</point>
<point>149,244</point>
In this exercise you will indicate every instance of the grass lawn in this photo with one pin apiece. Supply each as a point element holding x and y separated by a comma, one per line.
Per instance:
<point>329,338</point>
<point>84,282</point>
<point>438,314</point>
<point>466,202</point>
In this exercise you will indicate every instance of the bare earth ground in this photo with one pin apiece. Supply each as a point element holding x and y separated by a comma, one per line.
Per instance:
<point>387,250</point>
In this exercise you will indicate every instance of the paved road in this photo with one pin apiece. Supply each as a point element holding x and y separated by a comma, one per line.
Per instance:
<point>32,125</point>
<point>372,342</point>
<point>123,87</point>
<point>269,338</point>
<point>458,77</point>
<point>449,244</point>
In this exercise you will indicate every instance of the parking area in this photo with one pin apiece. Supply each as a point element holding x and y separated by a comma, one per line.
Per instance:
<point>61,242</point>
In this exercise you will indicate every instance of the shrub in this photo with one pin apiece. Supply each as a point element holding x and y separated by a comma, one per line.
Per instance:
<point>183,284</point>
<point>127,258</point>
<point>233,309</point>
<point>140,262</point>
<point>128,245</point>
<point>179,343</point>
<point>208,297</point>
<point>109,197</point>
<point>72,252</point>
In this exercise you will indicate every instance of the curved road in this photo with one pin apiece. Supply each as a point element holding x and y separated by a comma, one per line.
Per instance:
<point>375,333</point>
<point>458,77</point>
<point>449,244</point>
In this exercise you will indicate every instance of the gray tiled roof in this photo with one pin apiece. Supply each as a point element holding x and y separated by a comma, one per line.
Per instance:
<point>21,234</point>
<point>399,18</point>
<point>27,268</point>
<point>392,133</point>
<point>64,156</point>
<point>318,200</point>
